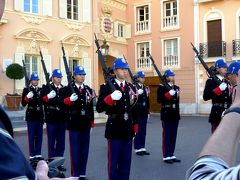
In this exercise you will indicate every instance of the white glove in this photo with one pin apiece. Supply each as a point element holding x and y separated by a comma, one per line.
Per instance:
<point>172,92</point>
<point>223,86</point>
<point>51,95</point>
<point>73,97</point>
<point>116,95</point>
<point>140,91</point>
<point>30,95</point>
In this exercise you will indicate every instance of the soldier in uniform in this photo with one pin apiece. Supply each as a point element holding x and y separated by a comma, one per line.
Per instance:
<point>55,116</point>
<point>219,94</point>
<point>34,116</point>
<point>80,121</point>
<point>142,115</point>
<point>120,126</point>
<point>170,116</point>
<point>232,74</point>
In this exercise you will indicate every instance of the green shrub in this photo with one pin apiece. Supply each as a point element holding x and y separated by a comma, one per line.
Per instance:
<point>15,71</point>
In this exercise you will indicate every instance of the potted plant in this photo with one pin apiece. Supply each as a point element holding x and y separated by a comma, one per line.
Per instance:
<point>14,71</point>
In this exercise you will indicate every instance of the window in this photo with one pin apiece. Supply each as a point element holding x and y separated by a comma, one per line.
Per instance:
<point>31,62</point>
<point>72,9</point>
<point>142,19</point>
<point>170,14</point>
<point>31,6</point>
<point>73,63</point>
<point>143,62</point>
<point>171,52</point>
<point>120,30</point>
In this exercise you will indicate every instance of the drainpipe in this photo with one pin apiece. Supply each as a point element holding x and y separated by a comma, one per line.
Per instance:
<point>196,43</point>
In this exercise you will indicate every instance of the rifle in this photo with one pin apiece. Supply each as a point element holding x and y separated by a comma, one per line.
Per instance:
<point>164,82</point>
<point>210,71</point>
<point>104,67</point>
<point>26,76</point>
<point>68,72</point>
<point>133,78</point>
<point>45,71</point>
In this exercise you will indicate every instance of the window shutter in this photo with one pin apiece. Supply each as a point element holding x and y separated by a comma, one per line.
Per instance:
<point>18,5</point>
<point>86,11</point>
<point>128,33</point>
<point>87,68</point>
<point>47,7</point>
<point>19,84</point>
<point>63,9</point>
<point>115,28</point>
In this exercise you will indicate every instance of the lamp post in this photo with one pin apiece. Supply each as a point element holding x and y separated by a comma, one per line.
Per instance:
<point>105,48</point>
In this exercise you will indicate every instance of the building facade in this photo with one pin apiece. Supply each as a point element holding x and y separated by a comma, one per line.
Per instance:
<point>164,28</point>
<point>30,25</point>
<point>132,28</point>
<point>217,36</point>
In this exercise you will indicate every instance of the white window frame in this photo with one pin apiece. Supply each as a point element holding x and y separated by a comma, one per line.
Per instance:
<point>31,5</point>
<point>72,11</point>
<point>238,24</point>
<point>70,62</point>
<point>121,32</point>
<point>164,53</point>
<point>44,7</point>
<point>211,15</point>
<point>146,69</point>
<point>163,11</point>
<point>39,66</point>
<point>136,7</point>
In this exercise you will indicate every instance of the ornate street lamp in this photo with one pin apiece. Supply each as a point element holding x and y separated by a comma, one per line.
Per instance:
<point>105,48</point>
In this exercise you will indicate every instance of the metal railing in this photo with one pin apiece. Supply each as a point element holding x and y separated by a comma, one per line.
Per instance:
<point>236,47</point>
<point>213,49</point>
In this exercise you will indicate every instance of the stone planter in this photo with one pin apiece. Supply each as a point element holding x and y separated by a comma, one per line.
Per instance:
<point>13,101</point>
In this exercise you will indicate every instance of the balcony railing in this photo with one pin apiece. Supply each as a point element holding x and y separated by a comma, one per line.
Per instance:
<point>143,63</point>
<point>143,26</point>
<point>236,47</point>
<point>213,49</point>
<point>170,21</point>
<point>170,60</point>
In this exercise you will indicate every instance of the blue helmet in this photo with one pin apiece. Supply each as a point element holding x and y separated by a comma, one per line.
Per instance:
<point>220,63</point>
<point>120,63</point>
<point>140,74</point>
<point>233,68</point>
<point>79,70</point>
<point>169,72</point>
<point>57,73</point>
<point>34,77</point>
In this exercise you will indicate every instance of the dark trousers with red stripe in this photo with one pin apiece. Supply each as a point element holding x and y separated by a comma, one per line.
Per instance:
<point>56,139</point>
<point>169,137</point>
<point>35,133</point>
<point>119,159</point>
<point>79,148</point>
<point>140,138</point>
<point>214,127</point>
